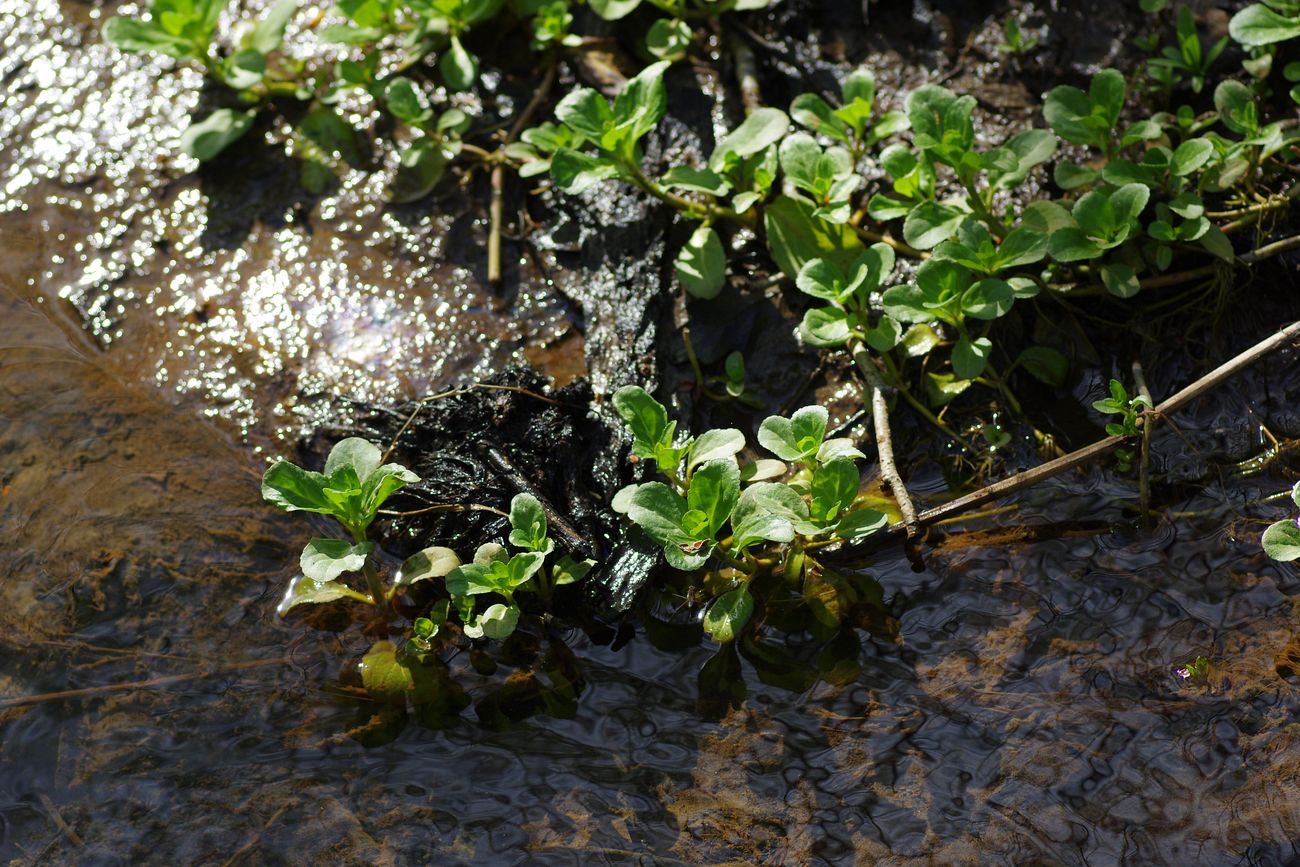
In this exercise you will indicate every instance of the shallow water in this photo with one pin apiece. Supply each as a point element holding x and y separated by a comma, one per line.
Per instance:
<point>1029,711</point>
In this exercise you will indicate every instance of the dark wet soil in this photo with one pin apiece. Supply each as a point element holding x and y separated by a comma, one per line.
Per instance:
<point>162,331</point>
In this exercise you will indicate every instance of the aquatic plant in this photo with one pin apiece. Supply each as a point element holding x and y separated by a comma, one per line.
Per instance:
<point>354,484</point>
<point>1129,410</point>
<point>716,513</point>
<point>1281,540</point>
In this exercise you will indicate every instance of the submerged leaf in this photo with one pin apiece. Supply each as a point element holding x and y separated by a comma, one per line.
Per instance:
<point>728,614</point>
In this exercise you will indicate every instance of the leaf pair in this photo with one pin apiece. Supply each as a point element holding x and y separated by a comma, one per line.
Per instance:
<point>614,129</point>
<point>848,294</point>
<point>353,486</point>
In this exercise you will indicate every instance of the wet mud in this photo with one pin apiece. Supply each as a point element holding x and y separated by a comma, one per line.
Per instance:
<point>162,331</point>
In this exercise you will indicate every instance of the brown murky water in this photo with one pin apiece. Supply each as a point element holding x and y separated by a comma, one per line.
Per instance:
<point>156,335</point>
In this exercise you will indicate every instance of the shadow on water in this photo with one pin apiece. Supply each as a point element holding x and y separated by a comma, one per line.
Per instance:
<point>1018,702</point>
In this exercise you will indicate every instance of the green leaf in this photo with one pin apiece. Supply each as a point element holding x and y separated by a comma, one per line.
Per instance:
<point>326,559</point>
<point>1190,156</point>
<point>518,569</point>
<point>244,69</point>
<point>1120,279</point>
<point>969,357</point>
<point>528,524</point>
<point>715,487</point>
<point>763,468</point>
<point>304,591</point>
<point>834,485</point>
<point>327,130</point>
<point>207,138</point>
<point>943,387</point>
<point>270,31</point>
<point>383,676</point>
<point>776,500</point>
<point>941,122</point>
<point>796,438</point>
<point>701,266</point>
<point>459,68</point>
<point>471,579</point>
<point>645,417</point>
<point>1021,246</point>
<point>795,237</point>
<point>768,512</point>
<point>346,34</point>
<point>1107,94</point>
<point>137,37</point>
<point>1258,25</point>
<point>905,303</point>
<point>668,39</point>
<point>728,614</point>
<point>885,335</point>
<point>570,571</point>
<point>1086,118</point>
<point>406,102</point>
<point>293,489</point>
<point>1282,541</point>
<point>585,111</point>
<point>1235,103</point>
<point>811,111</point>
<point>715,445</point>
<point>1046,365</point>
<point>658,510</point>
<point>612,10</point>
<point>695,180</point>
<point>825,327</point>
<point>643,101</point>
<point>764,127</point>
<point>1046,217</point>
<point>497,622</point>
<point>360,455</point>
<point>1128,202</point>
<point>931,222</point>
<point>860,524</point>
<point>1072,245</point>
<point>859,86</point>
<point>987,299</point>
<point>920,340</point>
<point>821,279</point>
<point>419,168</point>
<point>432,562</point>
<point>1217,244</point>
<point>382,484</point>
<point>575,172</point>
<point>1030,148</point>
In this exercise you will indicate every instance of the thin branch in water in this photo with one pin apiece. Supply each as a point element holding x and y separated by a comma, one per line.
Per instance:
<point>86,692</point>
<point>1079,457</point>
<point>885,451</point>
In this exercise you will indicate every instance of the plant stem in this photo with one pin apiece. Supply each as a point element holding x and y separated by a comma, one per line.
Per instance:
<point>689,208</point>
<point>1079,457</point>
<point>885,451</point>
<point>695,366</point>
<point>498,172</point>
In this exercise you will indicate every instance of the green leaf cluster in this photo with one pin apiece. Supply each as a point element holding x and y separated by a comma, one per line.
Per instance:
<point>714,510</point>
